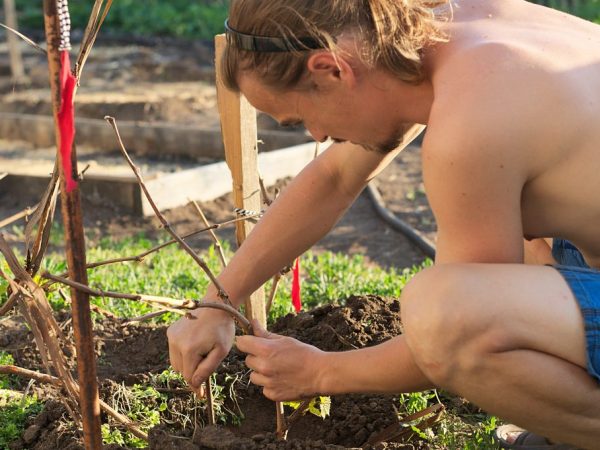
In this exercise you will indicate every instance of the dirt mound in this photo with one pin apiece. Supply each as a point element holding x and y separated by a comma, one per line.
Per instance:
<point>137,354</point>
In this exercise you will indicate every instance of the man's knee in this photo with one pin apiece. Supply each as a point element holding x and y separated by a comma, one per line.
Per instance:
<point>443,321</point>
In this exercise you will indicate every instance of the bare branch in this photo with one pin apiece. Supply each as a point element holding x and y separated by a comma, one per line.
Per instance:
<point>169,304</point>
<point>10,304</point>
<point>30,374</point>
<point>266,199</point>
<point>25,38</point>
<point>274,285</point>
<point>26,212</point>
<point>220,291</point>
<point>55,381</point>
<point>143,317</point>
<point>94,308</point>
<point>212,233</point>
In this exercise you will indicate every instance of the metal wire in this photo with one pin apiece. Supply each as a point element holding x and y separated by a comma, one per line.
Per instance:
<point>64,18</point>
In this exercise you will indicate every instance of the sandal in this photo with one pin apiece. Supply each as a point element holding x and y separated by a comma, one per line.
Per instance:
<point>525,440</point>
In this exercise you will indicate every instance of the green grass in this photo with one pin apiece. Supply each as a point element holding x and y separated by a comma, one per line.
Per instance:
<point>14,409</point>
<point>200,19</point>
<point>179,18</point>
<point>586,9</point>
<point>326,277</point>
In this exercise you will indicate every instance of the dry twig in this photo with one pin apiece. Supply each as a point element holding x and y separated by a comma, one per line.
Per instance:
<point>169,304</point>
<point>220,291</point>
<point>212,233</point>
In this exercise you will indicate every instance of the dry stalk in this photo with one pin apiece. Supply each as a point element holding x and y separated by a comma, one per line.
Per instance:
<point>25,38</point>
<point>212,233</point>
<point>172,305</point>
<point>94,308</point>
<point>36,310</point>
<point>55,381</point>
<point>220,291</point>
<point>42,217</point>
<point>274,285</point>
<point>144,317</point>
<point>9,305</point>
<point>92,29</point>
<point>26,212</point>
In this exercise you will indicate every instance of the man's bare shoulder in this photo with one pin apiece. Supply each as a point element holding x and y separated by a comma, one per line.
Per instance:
<point>506,95</point>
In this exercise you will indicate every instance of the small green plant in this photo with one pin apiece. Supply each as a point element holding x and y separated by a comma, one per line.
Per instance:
<point>142,404</point>
<point>318,406</point>
<point>416,401</point>
<point>14,415</point>
<point>6,381</point>
<point>223,394</point>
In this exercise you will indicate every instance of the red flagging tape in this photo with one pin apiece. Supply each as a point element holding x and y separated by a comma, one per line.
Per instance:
<point>296,300</point>
<point>66,118</point>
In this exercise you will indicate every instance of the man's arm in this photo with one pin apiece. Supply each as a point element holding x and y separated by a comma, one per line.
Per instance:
<point>303,213</point>
<point>474,172</point>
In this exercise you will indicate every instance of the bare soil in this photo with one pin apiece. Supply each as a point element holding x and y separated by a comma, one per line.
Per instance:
<point>132,354</point>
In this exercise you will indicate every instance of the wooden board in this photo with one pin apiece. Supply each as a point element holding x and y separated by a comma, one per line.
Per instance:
<point>238,126</point>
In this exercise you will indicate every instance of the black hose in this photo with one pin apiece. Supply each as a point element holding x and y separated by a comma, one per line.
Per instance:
<point>415,236</point>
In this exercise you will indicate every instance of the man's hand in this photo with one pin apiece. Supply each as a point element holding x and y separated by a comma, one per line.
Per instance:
<point>197,345</point>
<point>286,368</point>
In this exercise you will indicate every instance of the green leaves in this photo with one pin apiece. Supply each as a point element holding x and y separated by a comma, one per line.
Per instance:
<point>180,18</point>
<point>318,406</point>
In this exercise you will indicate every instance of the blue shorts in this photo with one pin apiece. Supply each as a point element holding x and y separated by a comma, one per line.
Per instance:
<point>585,285</point>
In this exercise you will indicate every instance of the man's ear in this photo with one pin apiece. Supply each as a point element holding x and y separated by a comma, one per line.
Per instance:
<point>327,68</point>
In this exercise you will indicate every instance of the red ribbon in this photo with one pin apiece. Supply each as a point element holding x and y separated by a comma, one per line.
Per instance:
<point>66,118</point>
<point>296,300</point>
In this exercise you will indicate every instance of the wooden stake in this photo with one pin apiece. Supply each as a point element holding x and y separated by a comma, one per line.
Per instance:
<point>75,248</point>
<point>238,125</point>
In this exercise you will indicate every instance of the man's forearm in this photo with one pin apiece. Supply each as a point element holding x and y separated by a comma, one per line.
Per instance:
<point>385,368</point>
<point>306,210</point>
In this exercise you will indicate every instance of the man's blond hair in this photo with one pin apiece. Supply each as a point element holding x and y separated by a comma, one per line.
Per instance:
<point>391,35</point>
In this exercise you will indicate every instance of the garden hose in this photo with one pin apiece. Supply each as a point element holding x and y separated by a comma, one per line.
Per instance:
<point>415,236</point>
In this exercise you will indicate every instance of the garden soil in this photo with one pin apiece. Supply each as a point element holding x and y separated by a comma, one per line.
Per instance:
<point>136,354</point>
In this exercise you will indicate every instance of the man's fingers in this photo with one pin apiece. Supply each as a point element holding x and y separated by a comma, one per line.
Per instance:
<point>258,379</point>
<point>175,360</point>
<point>201,391</point>
<point>259,331</point>
<point>189,368</point>
<point>206,366</point>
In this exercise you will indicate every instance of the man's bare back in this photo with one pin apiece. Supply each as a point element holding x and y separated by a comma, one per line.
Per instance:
<point>543,92</point>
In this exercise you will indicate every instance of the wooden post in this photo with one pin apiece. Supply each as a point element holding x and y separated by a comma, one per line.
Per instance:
<point>16,60</point>
<point>238,126</point>
<point>75,248</point>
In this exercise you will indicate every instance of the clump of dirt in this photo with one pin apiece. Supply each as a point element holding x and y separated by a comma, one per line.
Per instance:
<point>136,354</point>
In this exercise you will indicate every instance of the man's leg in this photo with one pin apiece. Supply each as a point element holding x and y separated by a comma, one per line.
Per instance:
<point>509,338</point>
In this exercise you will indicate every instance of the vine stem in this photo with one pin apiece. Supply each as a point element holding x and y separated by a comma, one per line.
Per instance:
<point>184,245</point>
<point>176,305</point>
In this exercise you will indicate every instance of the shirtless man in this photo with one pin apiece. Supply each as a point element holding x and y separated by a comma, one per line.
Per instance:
<point>510,94</point>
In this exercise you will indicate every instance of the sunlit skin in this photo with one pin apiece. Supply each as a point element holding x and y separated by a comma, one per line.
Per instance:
<point>511,105</point>
<point>344,103</point>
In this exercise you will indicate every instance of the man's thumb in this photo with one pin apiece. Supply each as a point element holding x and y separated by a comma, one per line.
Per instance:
<point>259,331</point>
